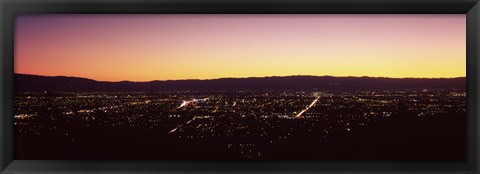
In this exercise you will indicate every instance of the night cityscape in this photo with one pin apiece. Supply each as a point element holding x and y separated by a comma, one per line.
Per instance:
<point>249,87</point>
<point>257,125</point>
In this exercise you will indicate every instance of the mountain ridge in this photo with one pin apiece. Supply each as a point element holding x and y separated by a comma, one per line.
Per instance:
<point>253,77</point>
<point>27,82</point>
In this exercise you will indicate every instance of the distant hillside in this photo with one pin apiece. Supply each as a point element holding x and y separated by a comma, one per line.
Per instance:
<point>25,82</point>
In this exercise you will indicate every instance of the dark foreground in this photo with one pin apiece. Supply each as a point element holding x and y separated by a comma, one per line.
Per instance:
<point>264,125</point>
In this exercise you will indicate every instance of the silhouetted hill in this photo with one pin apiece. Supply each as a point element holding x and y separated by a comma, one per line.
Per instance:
<point>25,82</point>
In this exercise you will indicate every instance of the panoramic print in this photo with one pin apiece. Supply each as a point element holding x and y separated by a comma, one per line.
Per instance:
<point>240,87</point>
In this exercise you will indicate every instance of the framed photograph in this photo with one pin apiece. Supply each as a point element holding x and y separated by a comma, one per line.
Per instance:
<point>164,86</point>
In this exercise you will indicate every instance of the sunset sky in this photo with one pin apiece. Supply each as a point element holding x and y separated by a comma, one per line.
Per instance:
<point>168,47</point>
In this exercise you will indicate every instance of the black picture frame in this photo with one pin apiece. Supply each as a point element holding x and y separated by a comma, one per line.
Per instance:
<point>10,8</point>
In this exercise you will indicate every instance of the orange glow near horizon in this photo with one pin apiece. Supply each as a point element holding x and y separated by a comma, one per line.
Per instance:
<point>170,47</point>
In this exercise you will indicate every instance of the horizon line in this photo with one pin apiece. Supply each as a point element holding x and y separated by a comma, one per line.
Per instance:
<point>246,77</point>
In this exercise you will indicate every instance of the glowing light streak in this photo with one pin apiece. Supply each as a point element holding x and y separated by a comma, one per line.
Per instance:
<point>186,103</point>
<point>173,130</point>
<point>188,122</point>
<point>299,115</point>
